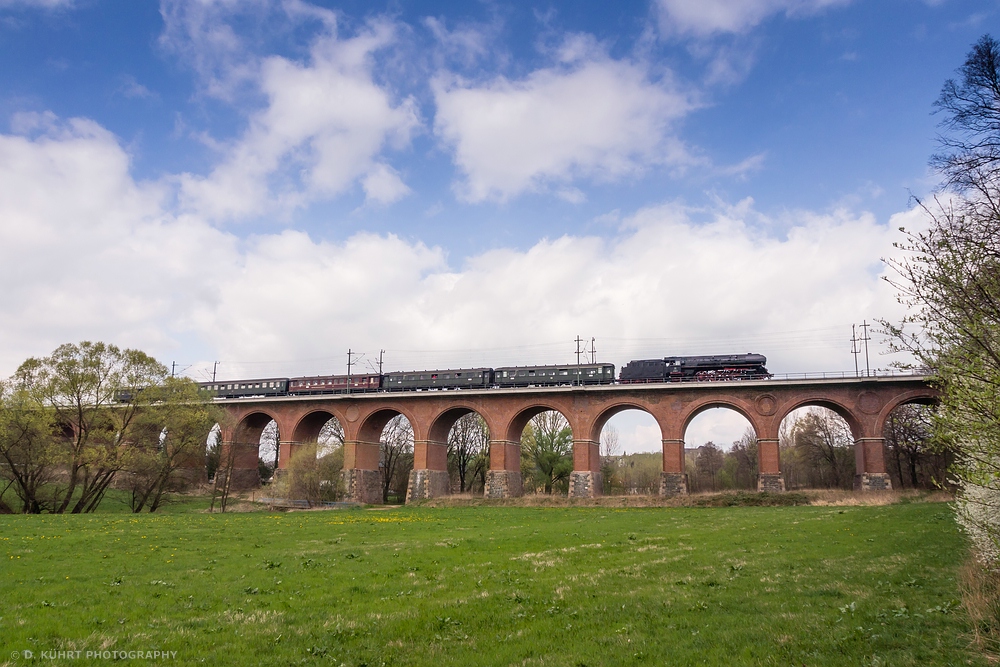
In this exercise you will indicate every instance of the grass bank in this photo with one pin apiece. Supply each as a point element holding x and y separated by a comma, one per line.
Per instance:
<point>813,585</point>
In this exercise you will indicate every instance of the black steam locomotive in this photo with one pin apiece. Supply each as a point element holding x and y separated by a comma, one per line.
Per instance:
<point>668,369</point>
<point>679,369</point>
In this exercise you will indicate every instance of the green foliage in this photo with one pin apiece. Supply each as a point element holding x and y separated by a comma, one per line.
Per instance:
<point>495,586</point>
<point>312,477</point>
<point>547,448</point>
<point>73,423</point>
<point>949,275</point>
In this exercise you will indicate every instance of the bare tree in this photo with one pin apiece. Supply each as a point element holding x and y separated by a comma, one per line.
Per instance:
<point>467,440</point>
<point>744,454</point>
<point>222,486</point>
<point>610,455</point>
<point>826,443</point>
<point>709,462</point>
<point>396,462</point>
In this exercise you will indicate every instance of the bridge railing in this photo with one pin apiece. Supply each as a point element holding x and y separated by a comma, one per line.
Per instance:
<point>848,375</point>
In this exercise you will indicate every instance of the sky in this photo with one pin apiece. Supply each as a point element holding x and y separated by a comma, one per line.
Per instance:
<point>268,184</point>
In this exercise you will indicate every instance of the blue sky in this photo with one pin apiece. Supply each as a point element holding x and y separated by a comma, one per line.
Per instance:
<point>267,183</point>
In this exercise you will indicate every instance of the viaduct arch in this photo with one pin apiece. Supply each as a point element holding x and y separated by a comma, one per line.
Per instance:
<point>865,403</point>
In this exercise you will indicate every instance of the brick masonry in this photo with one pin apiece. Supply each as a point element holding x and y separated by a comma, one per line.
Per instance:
<point>771,483</point>
<point>872,481</point>
<point>864,402</point>
<point>504,484</point>
<point>673,483</point>
<point>363,486</point>
<point>585,484</point>
<point>242,480</point>
<point>426,484</point>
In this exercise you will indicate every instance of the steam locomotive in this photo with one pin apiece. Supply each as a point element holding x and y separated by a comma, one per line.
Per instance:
<point>717,367</point>
<point>667,369</point>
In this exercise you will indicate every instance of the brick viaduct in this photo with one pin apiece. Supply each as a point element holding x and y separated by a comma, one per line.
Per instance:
<point>865,403</point>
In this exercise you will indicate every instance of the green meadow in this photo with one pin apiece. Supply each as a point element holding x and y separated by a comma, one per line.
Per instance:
<point>494,585</point>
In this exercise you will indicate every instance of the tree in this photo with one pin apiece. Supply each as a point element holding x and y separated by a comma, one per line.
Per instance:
<point>709,461</point>
<point>547,445</point>
<point>269,452</point>
<point>910,447</point>
<point>610,456</point>
<point>744,455</point>
<point>396,452</point>
<point>970,161</point>
<point>169,439</point>
<point>949,276</point>
<point>30,448</point>
<point>825,441</point>
<point>227,453</point>
<point>468,439</point>
<point>94,391</point>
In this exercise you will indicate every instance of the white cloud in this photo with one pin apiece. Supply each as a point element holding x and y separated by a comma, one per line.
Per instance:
<point>667,284</point>
<point>708,17</point>
<point>323,128</point>
<point>200,34</point>
<point>86,252</point>
<point>383,185</point>
<point>324,123</point>
<point>590,117</point>
<point>466,43</point>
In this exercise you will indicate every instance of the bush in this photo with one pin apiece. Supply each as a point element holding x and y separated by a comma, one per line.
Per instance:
<point>312,478</point>
<point>981,598</point>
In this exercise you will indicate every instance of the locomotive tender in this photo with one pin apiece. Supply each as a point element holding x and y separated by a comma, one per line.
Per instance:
<point>667,369</point>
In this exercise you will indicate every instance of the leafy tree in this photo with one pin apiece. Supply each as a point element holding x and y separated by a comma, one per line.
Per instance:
<point>547,446</point>
<point>949,275</point>
<point>168,442</point>
<point>95,391</point>
<point>31,448</point>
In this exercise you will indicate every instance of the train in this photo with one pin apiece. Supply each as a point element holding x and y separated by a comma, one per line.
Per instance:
<point>642,371</point>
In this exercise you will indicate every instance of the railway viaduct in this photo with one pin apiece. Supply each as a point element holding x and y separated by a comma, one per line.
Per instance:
<point>865,403</point>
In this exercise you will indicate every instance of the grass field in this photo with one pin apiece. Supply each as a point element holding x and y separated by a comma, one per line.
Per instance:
<point>860,585</point>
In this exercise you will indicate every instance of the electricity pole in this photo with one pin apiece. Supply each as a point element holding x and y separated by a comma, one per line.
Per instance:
<point>215,366</point>
<point>855,350</point>
<point>350,360</point>
<point>578,350</point>
<point>865,338</point>
<point>593,350</point>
